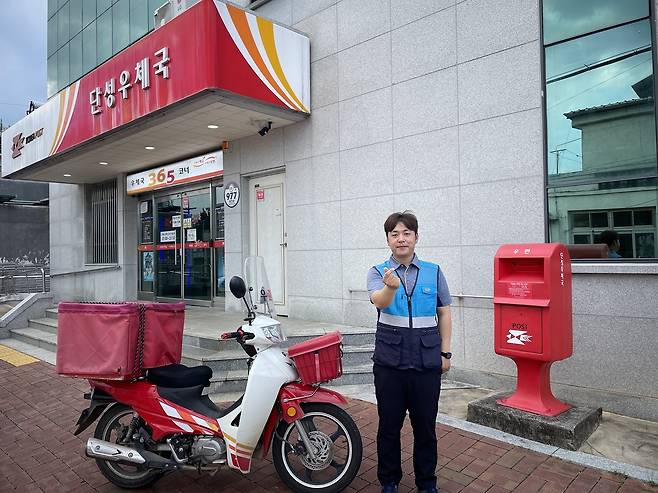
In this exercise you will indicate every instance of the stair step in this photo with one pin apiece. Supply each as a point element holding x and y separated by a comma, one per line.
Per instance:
<point>30,349</point>
<point>36,337</point>
<point>353,336</point>
<point>51,313</point>
<point>45,324</point>
<point>236,380</point>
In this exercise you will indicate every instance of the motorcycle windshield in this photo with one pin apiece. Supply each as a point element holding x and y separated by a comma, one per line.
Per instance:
<point>259,292</point>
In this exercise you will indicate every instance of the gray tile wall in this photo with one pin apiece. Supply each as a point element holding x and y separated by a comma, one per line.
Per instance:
<point>434,106</point>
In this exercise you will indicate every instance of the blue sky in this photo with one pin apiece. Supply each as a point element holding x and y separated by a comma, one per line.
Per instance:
<point>22,56</point>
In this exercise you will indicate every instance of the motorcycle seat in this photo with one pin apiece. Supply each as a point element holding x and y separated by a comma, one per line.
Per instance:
<point>179,376</point>
<point>191,398</point>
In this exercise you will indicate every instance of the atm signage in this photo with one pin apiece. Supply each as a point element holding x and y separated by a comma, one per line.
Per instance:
<point>190,170</point>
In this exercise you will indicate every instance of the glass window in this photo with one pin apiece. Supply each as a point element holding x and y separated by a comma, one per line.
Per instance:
<point>565,18</point>
<point>63,67</point>
<point>89,48</point>
<point>104,37</point>
<point>75,57</point>
<point>102,5</point>
<point>75,14</point>
<point>52,35</point>
<point>120,25</point>
<point>52,8</point>
<point>88,12</point>
<point>139,22</point>
<point>601,123</point>
<point>52,75</point>
<point>63,25</point>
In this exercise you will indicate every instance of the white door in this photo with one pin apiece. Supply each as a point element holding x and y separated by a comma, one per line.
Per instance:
<point>268,232</point>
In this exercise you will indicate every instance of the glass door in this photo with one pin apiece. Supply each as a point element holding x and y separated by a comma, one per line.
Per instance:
<point>183,246</point>
<point>197,281</point>
<point>169,247</point>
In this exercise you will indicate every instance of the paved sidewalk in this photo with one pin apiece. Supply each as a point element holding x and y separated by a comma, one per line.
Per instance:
<point>38,452</point>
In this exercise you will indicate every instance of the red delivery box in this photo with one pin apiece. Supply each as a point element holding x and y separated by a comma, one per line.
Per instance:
<point>102,341</point>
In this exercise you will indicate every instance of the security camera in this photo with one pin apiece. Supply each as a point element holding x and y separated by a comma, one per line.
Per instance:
<point>265,129</point>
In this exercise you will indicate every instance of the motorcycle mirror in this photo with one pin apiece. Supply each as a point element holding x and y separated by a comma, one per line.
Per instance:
<point>237,287</point>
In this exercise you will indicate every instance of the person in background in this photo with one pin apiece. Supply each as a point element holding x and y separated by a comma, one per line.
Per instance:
<point>412,349</point>
<point>611,238</point>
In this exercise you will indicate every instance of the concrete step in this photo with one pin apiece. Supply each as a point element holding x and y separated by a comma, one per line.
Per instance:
<point>32,350</point>
<point>223,361</point>
<point>36,337</point>
<point>236,380</point>
<point>352,336</point>
<point>45,324</point>
<point>51,313</point>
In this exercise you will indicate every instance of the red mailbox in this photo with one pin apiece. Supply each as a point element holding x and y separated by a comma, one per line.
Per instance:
<point>532,319</point>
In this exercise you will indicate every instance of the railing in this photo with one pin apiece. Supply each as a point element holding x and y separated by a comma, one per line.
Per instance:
<point>20,278</point>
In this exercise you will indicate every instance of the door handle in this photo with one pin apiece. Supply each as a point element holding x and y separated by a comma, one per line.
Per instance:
<point>284,244</point>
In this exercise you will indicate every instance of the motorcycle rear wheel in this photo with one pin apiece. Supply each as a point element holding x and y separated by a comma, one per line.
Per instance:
<point>338,445</point>
<point>115,418</point>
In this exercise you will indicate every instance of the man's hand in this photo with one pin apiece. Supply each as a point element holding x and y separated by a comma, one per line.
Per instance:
<point>391,279</point>
<point>445,364</point>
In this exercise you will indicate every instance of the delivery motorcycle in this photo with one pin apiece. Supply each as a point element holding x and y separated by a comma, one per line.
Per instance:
<point>161,422</point>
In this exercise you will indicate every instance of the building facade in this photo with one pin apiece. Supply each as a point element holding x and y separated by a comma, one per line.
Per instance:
<point>495,122</point>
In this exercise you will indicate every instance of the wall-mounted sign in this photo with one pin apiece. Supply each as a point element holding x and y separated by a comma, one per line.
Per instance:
<point>269,65</point>
<point>260,194</point>
<point>231,194</point>
<point>142,77</point>
<point>190,170</point>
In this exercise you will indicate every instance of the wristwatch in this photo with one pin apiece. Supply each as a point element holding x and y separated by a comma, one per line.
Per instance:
<point>446,355</point>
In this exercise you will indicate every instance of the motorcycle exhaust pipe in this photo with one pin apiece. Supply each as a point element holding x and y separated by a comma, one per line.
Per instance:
<point>100,449</point>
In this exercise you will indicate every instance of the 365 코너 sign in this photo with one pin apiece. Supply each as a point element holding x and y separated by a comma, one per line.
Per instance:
<point>190,170</point>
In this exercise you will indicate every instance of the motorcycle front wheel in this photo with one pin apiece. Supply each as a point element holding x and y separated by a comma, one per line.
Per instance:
<point>112,427</point>
<point>338,450</point>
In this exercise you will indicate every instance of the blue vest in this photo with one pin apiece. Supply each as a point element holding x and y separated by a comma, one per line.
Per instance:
<point>407,330</point>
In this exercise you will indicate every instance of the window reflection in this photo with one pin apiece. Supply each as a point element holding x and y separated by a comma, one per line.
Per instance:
<point>567,18</point>
<point>601,132</point>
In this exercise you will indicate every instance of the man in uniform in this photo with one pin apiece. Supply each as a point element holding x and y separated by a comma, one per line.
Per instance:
<point>412,349</point>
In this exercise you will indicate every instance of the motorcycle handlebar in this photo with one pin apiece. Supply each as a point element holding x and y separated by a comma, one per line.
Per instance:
<point>240,335</point>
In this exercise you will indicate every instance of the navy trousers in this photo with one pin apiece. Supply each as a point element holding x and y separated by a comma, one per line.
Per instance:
<point>418,392</point>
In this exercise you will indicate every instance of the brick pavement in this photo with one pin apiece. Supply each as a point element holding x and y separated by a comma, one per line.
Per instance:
<point>38,452</point>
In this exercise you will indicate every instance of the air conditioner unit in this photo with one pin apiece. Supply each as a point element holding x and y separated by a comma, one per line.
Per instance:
<point>169,10</point>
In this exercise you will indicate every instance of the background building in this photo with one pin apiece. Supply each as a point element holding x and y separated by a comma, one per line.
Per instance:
<point>495,121</point>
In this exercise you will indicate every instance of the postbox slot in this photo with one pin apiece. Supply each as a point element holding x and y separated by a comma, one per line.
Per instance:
<point>521,269</point>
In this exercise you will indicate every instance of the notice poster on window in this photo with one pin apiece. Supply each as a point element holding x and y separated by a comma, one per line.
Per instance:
<point>175,221</point>
<point>167,236</point>
<point>147,231</point>
<point>191,234</point>
<point>147,266</point>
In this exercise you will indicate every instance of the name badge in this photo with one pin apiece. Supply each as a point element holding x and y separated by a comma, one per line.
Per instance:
<point>427,290</point>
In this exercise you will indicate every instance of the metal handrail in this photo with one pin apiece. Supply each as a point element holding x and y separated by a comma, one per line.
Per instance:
<point>12,274</point>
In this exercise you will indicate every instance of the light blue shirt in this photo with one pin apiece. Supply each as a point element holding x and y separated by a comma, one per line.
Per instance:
<point>408,276</point>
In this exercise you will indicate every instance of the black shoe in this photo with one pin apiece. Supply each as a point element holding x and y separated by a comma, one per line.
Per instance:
<point>390,488</point>
<point>428,490</point>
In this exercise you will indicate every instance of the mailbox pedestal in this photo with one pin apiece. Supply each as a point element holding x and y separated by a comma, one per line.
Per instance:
<point>532,325</point>
<point>532,320</point>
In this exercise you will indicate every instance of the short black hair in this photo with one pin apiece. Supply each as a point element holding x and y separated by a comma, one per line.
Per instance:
<point>608,237</point>
<point>407,218</point>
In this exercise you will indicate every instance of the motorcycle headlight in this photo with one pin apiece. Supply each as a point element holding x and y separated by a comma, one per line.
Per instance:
<point>274,333</point>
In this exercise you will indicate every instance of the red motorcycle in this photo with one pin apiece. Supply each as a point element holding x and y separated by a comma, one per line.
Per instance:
<point>162,423</point>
